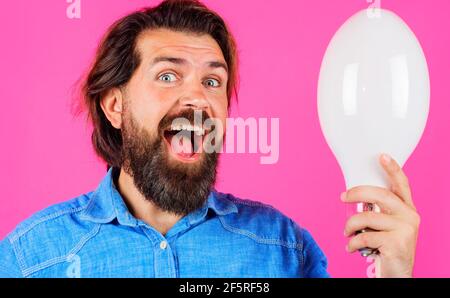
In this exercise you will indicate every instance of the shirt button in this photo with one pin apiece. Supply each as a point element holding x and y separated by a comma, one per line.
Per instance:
<point>163,244</point>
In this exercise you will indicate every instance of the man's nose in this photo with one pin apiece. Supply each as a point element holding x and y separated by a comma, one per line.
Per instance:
<point>196,100</point>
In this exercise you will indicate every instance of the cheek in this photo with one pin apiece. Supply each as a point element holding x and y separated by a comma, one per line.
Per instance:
<point>149,108</point>
<point>220,109</point>
<point>220,112</point>
<point>219,103</point>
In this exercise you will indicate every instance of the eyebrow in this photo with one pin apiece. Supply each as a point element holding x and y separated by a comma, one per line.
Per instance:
<point>218,64</point>
<point>181,61</point>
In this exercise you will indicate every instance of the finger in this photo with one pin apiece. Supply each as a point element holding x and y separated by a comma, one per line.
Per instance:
<point>398,179</point>
<point>382,197</point>
<point>372,220</point>
<point>374,240</point>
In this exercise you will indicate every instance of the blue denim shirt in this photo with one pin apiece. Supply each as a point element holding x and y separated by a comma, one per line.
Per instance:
<point>94,235</point>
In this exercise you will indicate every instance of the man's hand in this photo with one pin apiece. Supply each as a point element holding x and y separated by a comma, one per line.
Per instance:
<point>395,227</point>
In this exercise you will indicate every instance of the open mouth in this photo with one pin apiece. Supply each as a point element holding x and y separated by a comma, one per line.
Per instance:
<point>185,142</point>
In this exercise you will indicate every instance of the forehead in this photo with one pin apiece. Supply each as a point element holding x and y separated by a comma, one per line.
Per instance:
<point>160,42</point>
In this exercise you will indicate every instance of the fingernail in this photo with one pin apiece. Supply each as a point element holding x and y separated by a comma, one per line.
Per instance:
<point>386,158</point>
<point>343,195</point>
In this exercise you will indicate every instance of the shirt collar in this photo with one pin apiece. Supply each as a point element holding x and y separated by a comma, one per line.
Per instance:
<point>106,204</point>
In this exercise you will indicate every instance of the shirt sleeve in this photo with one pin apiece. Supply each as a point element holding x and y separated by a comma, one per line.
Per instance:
<point>314,260</point>
<point>9,267</point>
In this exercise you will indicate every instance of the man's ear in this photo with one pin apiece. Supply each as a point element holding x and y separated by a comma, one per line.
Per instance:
<point>112,105</point>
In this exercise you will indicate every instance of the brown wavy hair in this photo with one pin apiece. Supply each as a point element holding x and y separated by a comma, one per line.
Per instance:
<point>117,59</point>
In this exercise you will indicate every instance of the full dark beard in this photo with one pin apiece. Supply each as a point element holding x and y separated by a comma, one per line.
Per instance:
<point>174,187</point>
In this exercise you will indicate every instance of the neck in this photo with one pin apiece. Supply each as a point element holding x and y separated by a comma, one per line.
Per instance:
<point>142,208</point>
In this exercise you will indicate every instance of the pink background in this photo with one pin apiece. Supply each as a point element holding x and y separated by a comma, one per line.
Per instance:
<point>46,155</point>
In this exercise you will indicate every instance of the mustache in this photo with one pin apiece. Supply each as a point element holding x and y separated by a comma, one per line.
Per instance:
<point>189,114</point>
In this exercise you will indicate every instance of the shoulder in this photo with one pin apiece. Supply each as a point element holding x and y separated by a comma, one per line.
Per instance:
<point>48,236</point>
<point>51,216</point>
<point>266,225</point>
<point>262,222</point>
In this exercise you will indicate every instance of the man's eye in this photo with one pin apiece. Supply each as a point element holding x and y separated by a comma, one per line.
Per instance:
<point>212,83</point>
<point>168,77</point>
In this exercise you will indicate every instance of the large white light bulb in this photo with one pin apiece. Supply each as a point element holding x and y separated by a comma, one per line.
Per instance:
<point>373,96</point>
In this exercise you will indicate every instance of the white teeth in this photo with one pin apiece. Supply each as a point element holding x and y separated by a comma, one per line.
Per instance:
<point>198,130</point>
